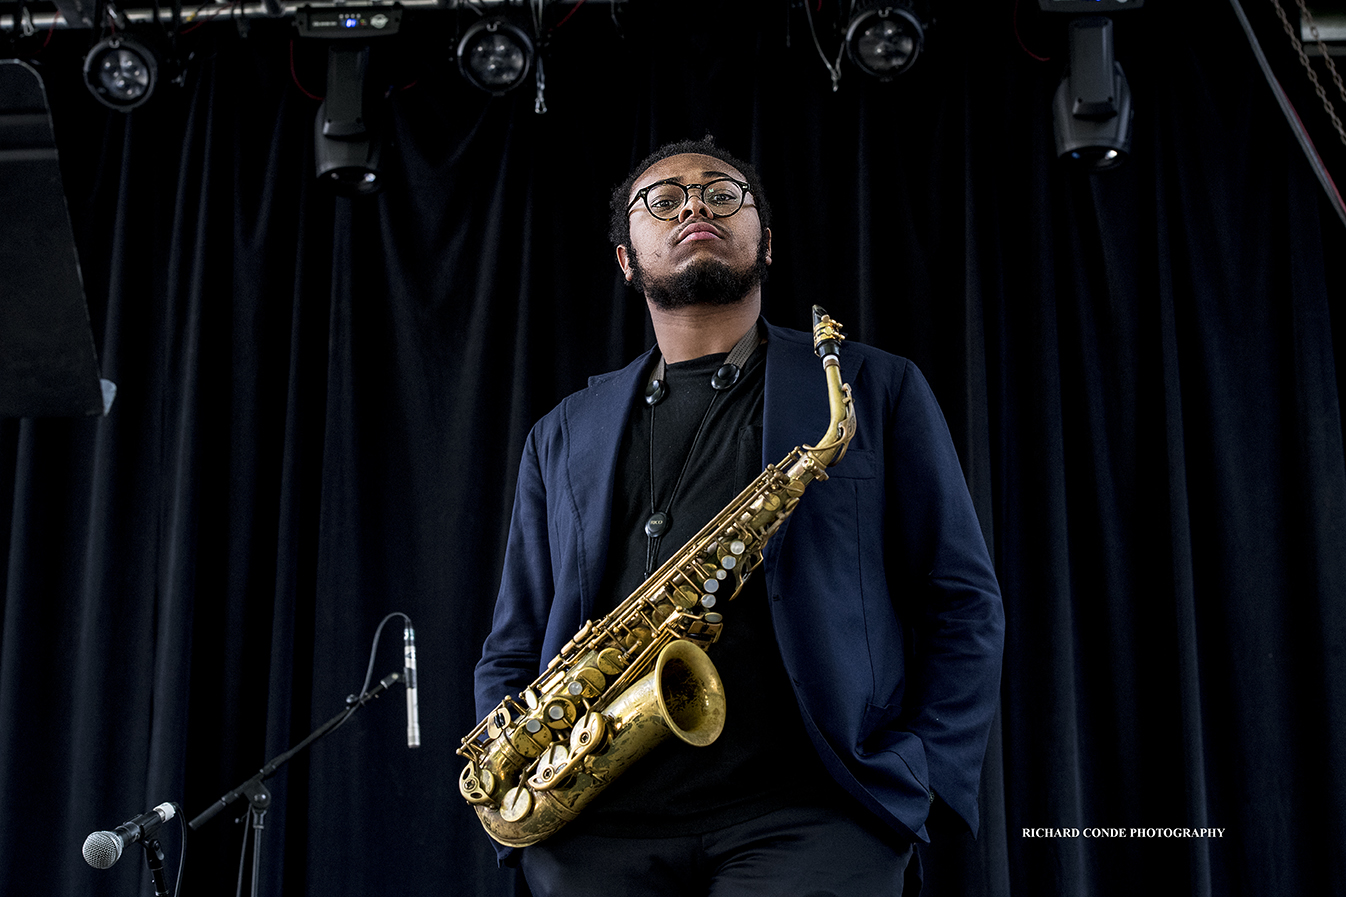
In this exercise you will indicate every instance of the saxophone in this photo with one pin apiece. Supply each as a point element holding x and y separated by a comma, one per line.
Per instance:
<point>625,683</point>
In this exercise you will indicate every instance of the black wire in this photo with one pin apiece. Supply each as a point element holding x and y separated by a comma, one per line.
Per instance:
<point>373,652</point>
<point>242,861</point>
<point>182,849</point>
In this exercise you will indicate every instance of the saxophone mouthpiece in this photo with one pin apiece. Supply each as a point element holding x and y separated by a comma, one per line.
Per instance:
<point>827,334</point>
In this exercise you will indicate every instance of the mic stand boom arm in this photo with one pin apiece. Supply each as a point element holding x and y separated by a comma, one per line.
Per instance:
<point>258,795</point>
<point>270,769</point>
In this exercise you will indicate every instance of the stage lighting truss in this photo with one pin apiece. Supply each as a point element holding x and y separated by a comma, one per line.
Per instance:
<point>495,55</point>
<point>885,39</point>
<point>121,72</point>
<point>1096,7</point>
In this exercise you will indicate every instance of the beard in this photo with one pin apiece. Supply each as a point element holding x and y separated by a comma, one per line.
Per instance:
<point>706,282</point>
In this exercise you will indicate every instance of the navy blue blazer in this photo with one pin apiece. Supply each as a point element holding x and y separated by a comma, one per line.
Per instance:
<point>883,595</point>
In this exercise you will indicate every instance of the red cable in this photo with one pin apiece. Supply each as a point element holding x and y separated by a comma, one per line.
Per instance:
<point>294,76</point>
<point>567,16</point>
<point>1017,37</point>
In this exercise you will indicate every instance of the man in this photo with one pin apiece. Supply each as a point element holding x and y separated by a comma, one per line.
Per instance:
<point>860,663</point>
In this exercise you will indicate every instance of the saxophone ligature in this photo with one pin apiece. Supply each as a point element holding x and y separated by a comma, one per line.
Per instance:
<point>625,683</point>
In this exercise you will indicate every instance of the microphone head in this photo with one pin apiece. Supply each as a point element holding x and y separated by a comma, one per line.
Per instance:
<point>102,849</point>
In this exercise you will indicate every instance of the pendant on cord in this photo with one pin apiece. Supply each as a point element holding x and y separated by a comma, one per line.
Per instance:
<point>657,525</point>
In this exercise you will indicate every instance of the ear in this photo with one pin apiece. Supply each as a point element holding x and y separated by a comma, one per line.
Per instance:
<point>768,245</point>
<point>624,262</point>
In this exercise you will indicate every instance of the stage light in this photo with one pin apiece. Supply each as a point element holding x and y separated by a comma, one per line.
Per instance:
<point>121,73</point>
<point>495,55</point>
<point>347,147</point>
<point>1091,112</point>
<point>884,39</point>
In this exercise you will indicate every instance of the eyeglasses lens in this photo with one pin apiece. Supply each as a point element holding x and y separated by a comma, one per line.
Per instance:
<point>722,197</point>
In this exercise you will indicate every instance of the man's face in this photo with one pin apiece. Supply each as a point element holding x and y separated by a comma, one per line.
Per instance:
<point>697,258</point>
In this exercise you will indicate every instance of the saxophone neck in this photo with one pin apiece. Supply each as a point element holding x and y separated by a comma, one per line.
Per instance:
<point>827,339</point>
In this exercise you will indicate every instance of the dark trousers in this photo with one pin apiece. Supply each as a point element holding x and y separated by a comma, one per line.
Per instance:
<point>796,852</point>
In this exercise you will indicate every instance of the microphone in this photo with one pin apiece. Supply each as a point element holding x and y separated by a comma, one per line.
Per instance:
<point>413,709</point>
<point>102,849</point>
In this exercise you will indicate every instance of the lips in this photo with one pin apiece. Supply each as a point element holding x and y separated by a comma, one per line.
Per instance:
<point>698,231</point>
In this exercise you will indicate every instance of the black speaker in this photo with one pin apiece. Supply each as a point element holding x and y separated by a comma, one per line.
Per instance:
<point>48,367</point>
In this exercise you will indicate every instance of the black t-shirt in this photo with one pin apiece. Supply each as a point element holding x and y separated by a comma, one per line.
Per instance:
<point>763,759</point>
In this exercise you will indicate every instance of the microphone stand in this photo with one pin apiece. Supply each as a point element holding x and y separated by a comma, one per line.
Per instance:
<point>154,858</point>
<point>259,798</point>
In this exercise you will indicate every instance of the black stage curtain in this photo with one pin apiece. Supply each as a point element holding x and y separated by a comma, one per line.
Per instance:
<point>322,402</point>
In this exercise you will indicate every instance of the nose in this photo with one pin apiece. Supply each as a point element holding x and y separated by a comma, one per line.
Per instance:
<point>694,205</point>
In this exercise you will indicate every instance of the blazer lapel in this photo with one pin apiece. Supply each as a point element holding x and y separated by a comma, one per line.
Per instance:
<point>595,420</point>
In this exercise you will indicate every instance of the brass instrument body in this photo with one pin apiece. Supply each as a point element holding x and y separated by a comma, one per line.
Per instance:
<point>625,683</point>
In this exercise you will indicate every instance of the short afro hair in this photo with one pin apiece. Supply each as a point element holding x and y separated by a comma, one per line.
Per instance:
<point>619,226</point>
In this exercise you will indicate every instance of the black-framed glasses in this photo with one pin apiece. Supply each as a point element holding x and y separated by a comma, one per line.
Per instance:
<point>665,200</point>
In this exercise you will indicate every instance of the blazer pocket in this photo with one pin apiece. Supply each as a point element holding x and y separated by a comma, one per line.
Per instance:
<point>858,464</point>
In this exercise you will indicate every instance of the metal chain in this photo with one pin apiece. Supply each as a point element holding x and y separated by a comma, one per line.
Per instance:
<point>1322,47</point>
<point>1308,67</point>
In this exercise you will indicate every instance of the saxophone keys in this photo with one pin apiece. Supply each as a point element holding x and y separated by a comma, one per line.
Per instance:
<point>518,803</point>
<point>609,661</point>
<point>588,734</point>
<point>552,758</point>
<point>531,738</point>
<point>727,555</point>
<point>498,722</point>
<point>685,597</point>
<point>559,713</point>
<point>662,611</point>
<point>476,784</point>
<point>550,767</point>
<point>588,683</point>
